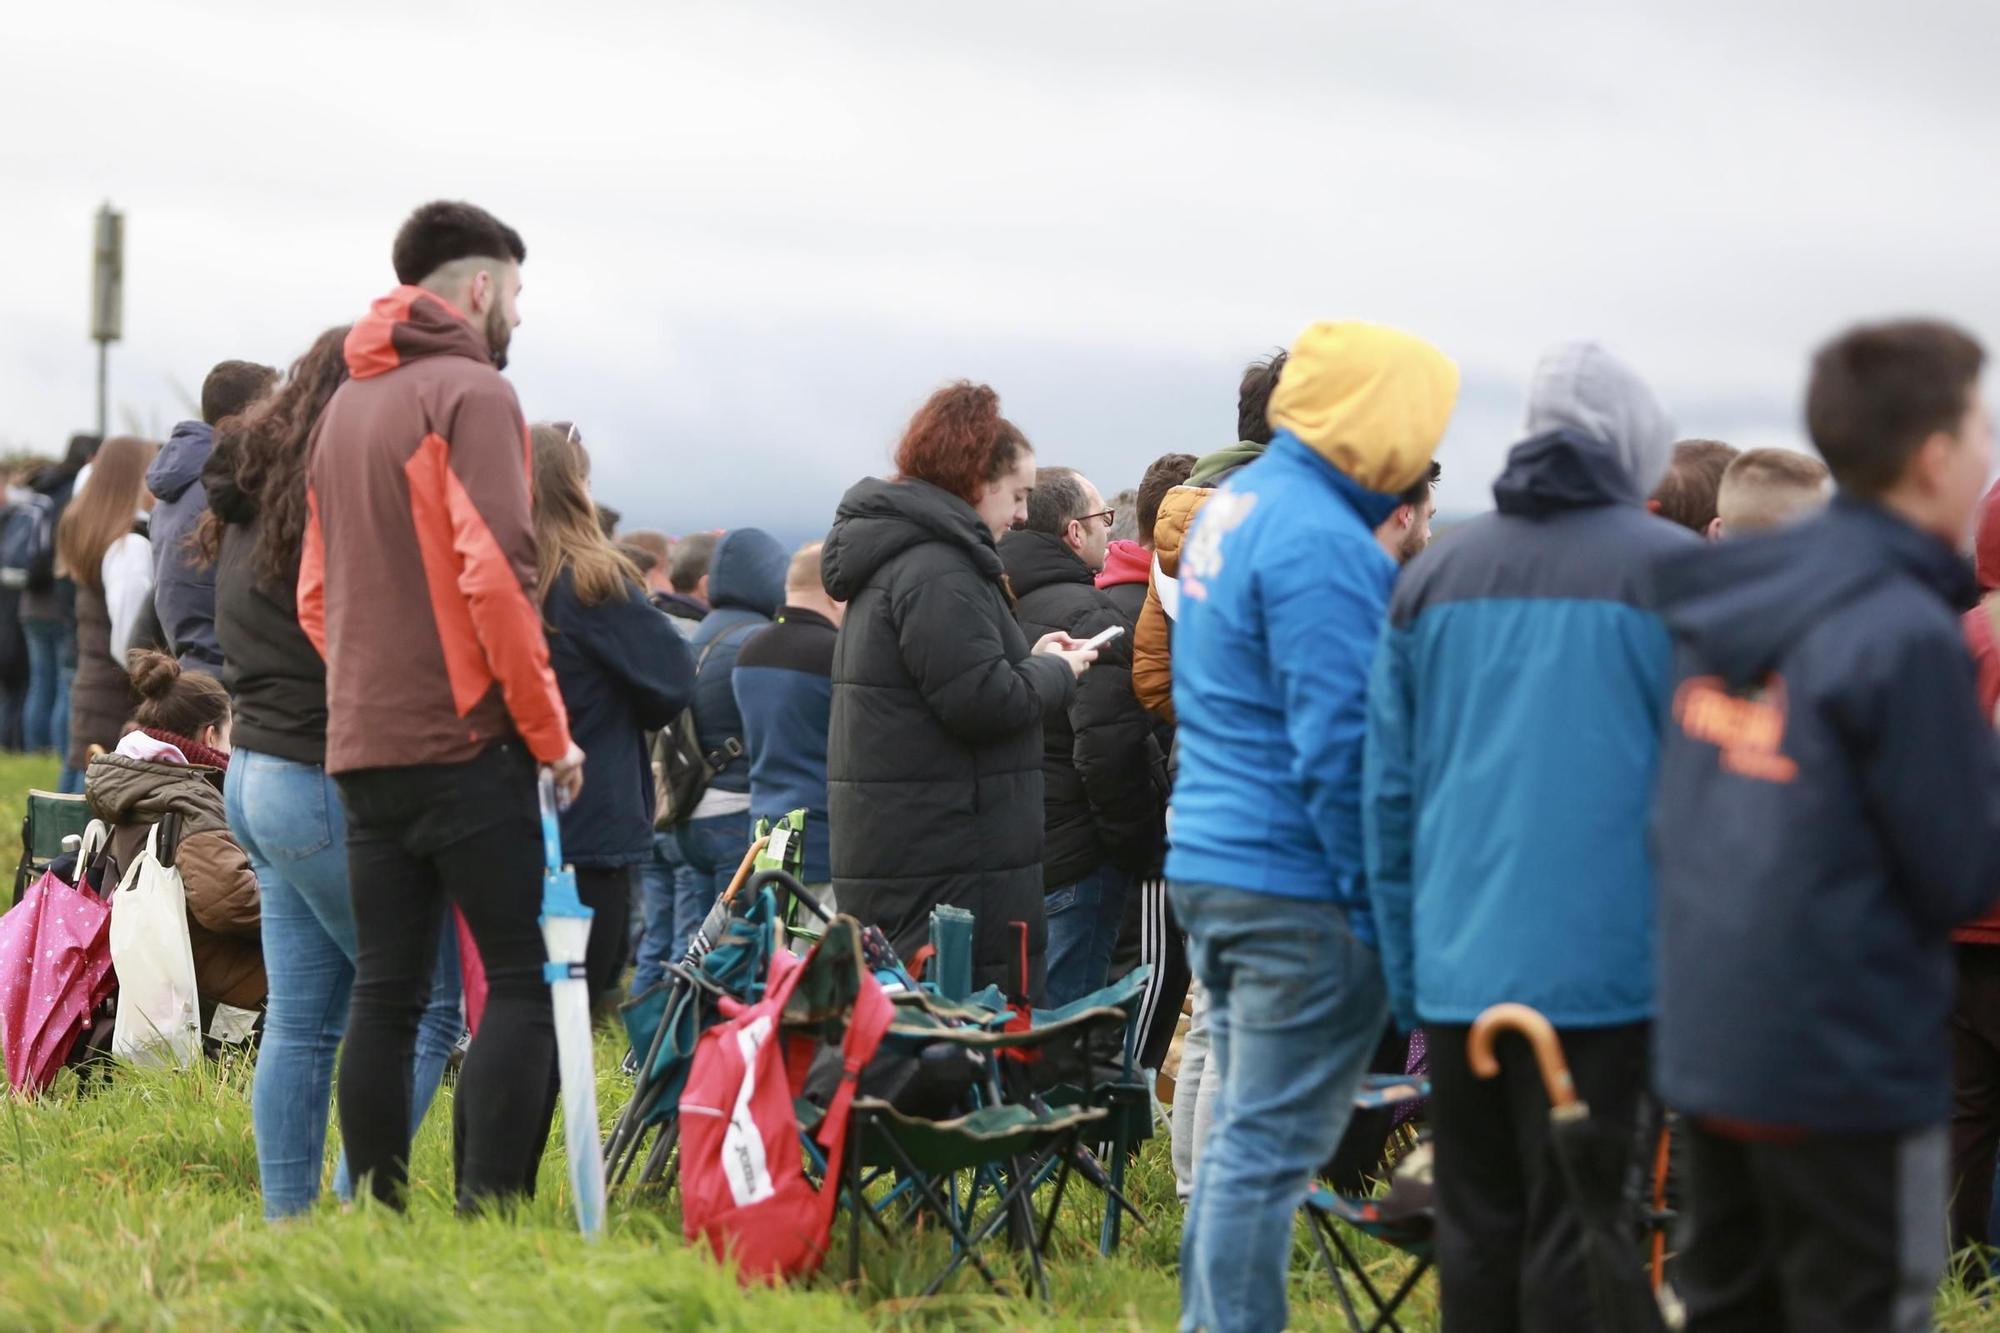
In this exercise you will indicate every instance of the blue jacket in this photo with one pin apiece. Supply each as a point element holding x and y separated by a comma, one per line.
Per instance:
<point>623,670</point>
<point>1283,588</point>
<point>746,586</point>
<point>1828,809</point>
<point>1513,733</point>
<point>183,589</point>
<point>784,689</point>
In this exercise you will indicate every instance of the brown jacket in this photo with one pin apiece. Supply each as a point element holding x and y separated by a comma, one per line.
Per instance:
<point>132,795</point>
<point>1152,640</point>
<point>418,571</point>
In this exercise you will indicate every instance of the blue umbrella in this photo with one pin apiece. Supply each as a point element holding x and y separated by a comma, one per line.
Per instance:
<point>566,933</point>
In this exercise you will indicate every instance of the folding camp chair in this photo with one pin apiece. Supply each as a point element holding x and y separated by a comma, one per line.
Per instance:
<point>1125,1097</point>
<point>52,817</point>
<point>977,1172</point>
<point>1403,1219</point>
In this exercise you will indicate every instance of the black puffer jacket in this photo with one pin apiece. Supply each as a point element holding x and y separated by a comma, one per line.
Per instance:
<point>934,756</point>
<point>1102,771</point>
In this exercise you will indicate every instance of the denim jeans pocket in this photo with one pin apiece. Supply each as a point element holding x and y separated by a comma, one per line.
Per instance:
<point>1060,900</point>
<point>286,804</point>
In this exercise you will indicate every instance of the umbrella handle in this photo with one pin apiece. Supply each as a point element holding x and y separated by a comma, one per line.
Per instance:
<point>1541,1035</point>
<point>743,870</point>
<point>551,828</point>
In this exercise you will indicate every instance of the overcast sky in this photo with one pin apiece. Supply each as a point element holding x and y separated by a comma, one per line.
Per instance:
<point>759,234</point>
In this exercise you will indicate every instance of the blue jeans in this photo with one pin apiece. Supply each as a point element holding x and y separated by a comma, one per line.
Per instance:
<point>45,708</point>
<point>712,849</point>
<point>1084,918</point>
<point>289,820</point>
<point>1296,1008</point>
<point>659,890</point>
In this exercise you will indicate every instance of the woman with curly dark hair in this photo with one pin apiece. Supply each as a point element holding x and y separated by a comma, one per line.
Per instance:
<point>934,761</point>
<point>283,808</point>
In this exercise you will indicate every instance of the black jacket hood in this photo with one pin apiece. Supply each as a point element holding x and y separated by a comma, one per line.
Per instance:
<point>879,520</point>
<point>1035,560</point>
<point>1559,470</point>
<point>1740,604</point>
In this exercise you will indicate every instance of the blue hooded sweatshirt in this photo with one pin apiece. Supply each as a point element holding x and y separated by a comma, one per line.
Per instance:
<point>1283,589</point>
<point>1828,810</point>
<point>183,590</point>
<point>1514,724</point>
<point>746,586</point>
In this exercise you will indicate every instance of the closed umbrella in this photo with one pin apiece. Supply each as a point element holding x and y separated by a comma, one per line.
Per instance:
<point>1594,1158</point>
<point>55,969</point>
<point>566,933</point>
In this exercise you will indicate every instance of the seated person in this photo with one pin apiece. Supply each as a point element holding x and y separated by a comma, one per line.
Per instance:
<point>170,769</point>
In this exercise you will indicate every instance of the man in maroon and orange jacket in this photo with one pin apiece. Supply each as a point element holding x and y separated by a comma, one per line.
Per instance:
<point>1975,1019</point>
<point>416,586</point>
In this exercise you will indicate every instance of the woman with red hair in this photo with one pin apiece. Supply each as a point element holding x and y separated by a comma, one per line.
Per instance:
<point>934,757</point>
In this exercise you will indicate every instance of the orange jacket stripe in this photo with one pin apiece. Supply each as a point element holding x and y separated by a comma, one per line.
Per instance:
<point>312,577</point>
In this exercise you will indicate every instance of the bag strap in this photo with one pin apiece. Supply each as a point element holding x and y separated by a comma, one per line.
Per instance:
<point>731,748</point>
<point>867,1024</point>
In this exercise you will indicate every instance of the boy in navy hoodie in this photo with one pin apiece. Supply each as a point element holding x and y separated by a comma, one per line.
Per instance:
<point>1828,810</point>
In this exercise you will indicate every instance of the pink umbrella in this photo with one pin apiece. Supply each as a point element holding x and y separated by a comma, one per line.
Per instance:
<point>55,968</point>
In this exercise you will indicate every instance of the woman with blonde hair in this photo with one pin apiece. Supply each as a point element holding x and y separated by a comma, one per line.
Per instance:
<point>623,670</point>
<point>101,544</point>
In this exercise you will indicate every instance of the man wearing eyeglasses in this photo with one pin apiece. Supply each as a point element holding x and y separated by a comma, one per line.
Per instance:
<point>1103,774</point>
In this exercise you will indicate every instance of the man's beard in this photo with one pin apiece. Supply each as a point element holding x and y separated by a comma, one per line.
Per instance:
<point>1414,542</point>
<point>497,336</point>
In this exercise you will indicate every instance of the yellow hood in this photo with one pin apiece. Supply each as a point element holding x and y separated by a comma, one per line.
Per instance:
<point>1372,401</point>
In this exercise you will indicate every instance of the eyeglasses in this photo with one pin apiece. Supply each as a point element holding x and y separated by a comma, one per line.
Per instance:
<point>1108,515</point>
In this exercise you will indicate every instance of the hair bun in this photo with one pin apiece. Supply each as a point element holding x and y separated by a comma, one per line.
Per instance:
<point>154,675</point>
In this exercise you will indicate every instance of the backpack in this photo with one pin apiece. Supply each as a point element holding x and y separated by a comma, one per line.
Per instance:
<point>28,544</point>
<point>744,1187</point>
<point>681,770</point>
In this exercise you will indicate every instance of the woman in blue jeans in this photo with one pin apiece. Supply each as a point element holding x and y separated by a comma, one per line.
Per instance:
<point>282,806</point>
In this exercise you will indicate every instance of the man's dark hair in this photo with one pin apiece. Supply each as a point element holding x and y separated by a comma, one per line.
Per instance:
<point>233,386</point>
<point>83,447</point>
<point>1686,495</point>
<point>1879,391</point>
<point>691,560</point>
<point>1166,472</point>
<point>1253,399</point>
<point>443,232</point>
<point>1420,490</point>
<point>1057,498</point>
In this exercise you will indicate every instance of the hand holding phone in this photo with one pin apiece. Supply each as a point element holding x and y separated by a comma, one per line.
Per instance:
<point>1102,637</point>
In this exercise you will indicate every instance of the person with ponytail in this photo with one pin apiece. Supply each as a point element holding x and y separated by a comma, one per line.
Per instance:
<point>172,764</point>
<point>284,809</point>
<point>934,754</point>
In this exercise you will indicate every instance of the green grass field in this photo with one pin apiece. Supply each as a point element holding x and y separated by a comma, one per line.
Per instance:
<point>136,1205</point>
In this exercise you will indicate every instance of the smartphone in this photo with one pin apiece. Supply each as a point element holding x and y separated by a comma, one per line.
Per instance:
<point>1102,637</point>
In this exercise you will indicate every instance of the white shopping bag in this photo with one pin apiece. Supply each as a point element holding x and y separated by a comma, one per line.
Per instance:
<point>159,1016</point>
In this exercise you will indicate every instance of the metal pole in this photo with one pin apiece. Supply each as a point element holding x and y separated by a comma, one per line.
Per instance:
<point>103,361</point>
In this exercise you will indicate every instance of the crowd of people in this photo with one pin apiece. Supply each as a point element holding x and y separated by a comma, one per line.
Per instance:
<point>1680,745</point>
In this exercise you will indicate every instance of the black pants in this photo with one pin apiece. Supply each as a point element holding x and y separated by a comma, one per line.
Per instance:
<point>417,837</point>
<point>1509,1247</point>
<point>1823,1234</point>
<point>607,892</point>
<point>1975,1110</point>
<point>1149,934</point>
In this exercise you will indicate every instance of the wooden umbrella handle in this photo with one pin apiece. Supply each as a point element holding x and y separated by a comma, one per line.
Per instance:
<point>1541,1035</point>
<point>743,871</point>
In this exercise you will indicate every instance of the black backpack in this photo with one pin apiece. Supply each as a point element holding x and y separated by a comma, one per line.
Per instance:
<point>28,544</point>
<point>681,770</point>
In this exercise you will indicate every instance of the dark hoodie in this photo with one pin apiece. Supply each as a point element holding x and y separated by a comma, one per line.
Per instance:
<point>418,576</point>
<point>183,588</point>
<point>934,757</point>
<point>746,586</point>
<point>1828,810</point>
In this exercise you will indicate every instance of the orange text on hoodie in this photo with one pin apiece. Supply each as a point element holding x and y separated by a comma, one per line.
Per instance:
<point>415,581</point>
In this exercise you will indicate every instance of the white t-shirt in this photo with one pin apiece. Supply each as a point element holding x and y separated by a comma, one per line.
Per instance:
<point>127,573</point>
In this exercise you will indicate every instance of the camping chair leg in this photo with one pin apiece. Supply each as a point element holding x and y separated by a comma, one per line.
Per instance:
<point>1385,1309</point>
<point>857,1202</point>
<point>967,1250</point>
<point>1055,1205</point>
<point>1320,1227</point>
<point>1022,1208</point>
<point>1388,1319</point>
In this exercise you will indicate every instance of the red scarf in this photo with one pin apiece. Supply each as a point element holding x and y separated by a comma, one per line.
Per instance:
<point>195,752</point>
